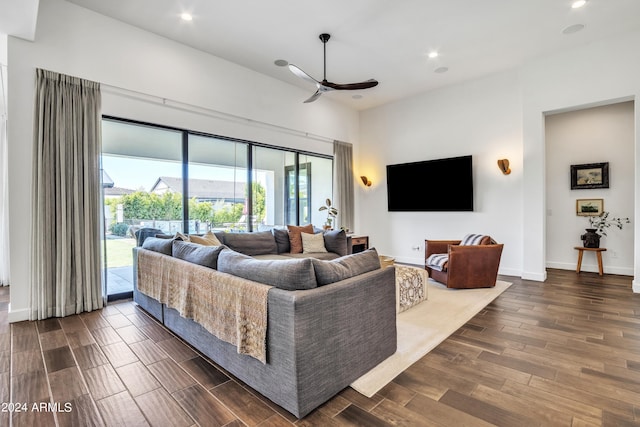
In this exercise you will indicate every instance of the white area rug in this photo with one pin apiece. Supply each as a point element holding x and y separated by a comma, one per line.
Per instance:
<point>423,327</point>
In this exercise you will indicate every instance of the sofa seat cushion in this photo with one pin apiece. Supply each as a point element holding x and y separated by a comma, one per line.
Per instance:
<point>272,256</point>
<point>345,267</point>
<point>258,243</point>
<point>289,274</point>
<point>316,255</point>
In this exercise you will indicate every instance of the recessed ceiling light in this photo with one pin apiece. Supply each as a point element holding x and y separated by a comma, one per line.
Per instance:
<point>573,29</point>
<point>441,70</point>
<point>281,62</point>
<point>186,17</point>
<point>578,3</point>
<point>357,96</point>
<point>433,54</point>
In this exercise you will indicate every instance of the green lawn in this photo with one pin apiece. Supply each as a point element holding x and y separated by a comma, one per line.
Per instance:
<point>119,252</point>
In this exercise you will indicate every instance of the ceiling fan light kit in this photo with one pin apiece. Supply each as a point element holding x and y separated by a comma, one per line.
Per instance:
<point>325,85</point>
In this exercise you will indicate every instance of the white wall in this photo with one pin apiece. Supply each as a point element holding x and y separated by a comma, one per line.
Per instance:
<point>481,118</point>
<point>75,41</point>
<point>592,135</point>
<point>598,73</point>
<point>498,116</point>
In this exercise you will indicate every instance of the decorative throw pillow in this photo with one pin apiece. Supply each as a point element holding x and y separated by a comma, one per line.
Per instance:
<point>180,236</point>
<point>208,239</point>
<point>438,261</point>
<point>289,274</point>
<point>475,239</point>
<point>197,253</point>
<point>344,267</point>
<point>312,243</point>
<point>295,240</point>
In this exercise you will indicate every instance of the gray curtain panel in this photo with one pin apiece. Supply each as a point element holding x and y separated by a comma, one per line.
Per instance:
<point>66,196</point>
<point>343,183</point>
<point>4,204</point>
<point>4,181</point>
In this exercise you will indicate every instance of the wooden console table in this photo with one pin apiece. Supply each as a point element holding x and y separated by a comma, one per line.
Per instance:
<point>598,252</point>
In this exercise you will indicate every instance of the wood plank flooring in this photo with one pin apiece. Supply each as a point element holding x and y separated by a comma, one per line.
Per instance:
<point>565,352</point>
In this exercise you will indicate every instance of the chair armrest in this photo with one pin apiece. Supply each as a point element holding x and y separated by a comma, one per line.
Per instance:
<point>474,266</point>
<point>438,246</point>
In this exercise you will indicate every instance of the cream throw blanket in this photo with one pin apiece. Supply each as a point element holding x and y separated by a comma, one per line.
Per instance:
<point>229,307</point>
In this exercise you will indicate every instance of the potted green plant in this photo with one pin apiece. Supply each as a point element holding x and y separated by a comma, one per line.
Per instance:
<point>598,226</point>
<point>332,213</point>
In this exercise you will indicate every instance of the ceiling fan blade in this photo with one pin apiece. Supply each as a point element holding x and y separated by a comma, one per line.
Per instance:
<point>351,86</point>
<point>304,76</point>
<point>314,96</point>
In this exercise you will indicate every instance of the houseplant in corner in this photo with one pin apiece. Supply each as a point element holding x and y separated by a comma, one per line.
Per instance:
<point>598,226</point>
<point>332,212</point>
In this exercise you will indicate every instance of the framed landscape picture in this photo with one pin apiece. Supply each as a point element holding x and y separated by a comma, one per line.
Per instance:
<point>591,175</point>
<point>589,207</point>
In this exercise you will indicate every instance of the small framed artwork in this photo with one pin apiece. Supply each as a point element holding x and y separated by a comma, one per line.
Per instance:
<point>591,175</point>
<point>589,207</point>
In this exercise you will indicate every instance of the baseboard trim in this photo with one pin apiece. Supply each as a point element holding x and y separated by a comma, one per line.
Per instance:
<point>635,287</point>
<point>14,316</point>
<point>592,268</point>
<point>537,277</point>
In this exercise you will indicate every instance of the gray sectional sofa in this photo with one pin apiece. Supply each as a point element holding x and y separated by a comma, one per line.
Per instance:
<point>329,320</point>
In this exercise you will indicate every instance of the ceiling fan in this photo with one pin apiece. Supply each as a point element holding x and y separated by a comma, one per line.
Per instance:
<point>324,85</point>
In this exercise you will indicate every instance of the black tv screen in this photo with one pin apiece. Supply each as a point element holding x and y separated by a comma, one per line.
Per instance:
<point>442,185</point>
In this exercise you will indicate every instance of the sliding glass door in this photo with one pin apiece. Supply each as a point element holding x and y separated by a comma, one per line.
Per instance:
<point>173,180</point>
<point>142,173</point>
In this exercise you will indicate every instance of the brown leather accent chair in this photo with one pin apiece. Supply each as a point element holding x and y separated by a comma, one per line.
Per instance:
<point>468,266</point>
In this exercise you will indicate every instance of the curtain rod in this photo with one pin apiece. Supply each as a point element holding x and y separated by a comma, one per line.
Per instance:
<point>210,112</point>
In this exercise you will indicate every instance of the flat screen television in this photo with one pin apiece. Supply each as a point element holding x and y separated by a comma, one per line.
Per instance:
<point>441,185</point>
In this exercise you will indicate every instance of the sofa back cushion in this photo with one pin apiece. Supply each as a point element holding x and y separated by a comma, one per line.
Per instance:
<point>345,267</point>
<point>289,274</point>
<point>282,240</point>
<point>336,241</point>
<point>258,243</point>
<point>156,244</point>
<point>196,253</point>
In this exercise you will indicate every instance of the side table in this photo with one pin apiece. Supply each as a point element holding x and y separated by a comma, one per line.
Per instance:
<point>359,243</point>
<point>598,252</point>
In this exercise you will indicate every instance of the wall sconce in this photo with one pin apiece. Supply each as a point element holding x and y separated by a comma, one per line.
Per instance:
<point>503,164</point>
<point>365,181</point>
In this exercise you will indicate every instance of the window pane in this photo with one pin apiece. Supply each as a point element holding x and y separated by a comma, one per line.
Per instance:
<point>271,192</point>
<point>139,165</point>
<point>316,186</point>
<point>217,184</point>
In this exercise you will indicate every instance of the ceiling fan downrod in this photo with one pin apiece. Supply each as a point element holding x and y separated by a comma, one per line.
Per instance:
<point>324,37</point>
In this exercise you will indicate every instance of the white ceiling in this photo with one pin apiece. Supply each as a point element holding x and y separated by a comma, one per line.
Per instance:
<point>18,18</point>
<point>382,39</point>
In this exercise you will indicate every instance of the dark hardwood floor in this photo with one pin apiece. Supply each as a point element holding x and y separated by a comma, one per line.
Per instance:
<point>565,352</point>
